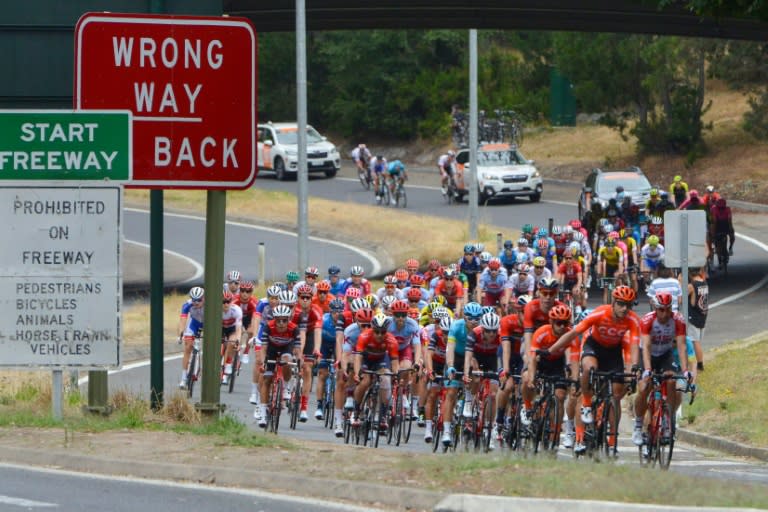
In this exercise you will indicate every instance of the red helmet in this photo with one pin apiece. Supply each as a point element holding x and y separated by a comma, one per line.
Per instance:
<point>323,286</point>
<point>494,264</point>
<point>312,271</point>
<point>560,312</point>
<point>228,297</point>
<point>399,306</point>
<point>624,293</point>
<point>542,243</point>
<point>414,294</point>
<point>417,280</point>
<point>246,286</point>
<point>662,300</point>
<point>433,265</point>
<point>401,274</point>
<point>412,264</point>
<point>390,280</point>
<point>364,315</point>
<point>304,289</point>
<point>575,224</point>
<point>352,293</point>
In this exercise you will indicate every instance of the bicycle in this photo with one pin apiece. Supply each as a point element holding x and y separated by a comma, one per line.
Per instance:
<point>607,284</point>
<point>659,439</point>
<point>235,367</point>
<point>194,366</point>
<point>364,175</point>
<point>275,404</point>
<point>548,414</point>
<point>602,435</point>
<point>721,249</point>
<point>566,297</point>
<point>437,416</point>
<point>294,403</point>
<point>509,431</point>
<point>383,190</point>
<point>329,386</point>
<point>400,417</point>
<point>371,409</point>
<point>450,189</point>
<point>401,199</point>
<point>483,411</point>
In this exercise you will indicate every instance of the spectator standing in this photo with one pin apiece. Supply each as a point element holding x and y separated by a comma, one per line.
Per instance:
<point>698,301</point>
<point>666,283</point>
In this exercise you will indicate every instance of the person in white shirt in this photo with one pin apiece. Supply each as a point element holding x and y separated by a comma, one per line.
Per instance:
<point>666,283</point>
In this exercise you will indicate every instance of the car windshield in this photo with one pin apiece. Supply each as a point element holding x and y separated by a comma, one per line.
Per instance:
<point>291,135</point>
<point>607,183</point>
<point>498,158</point>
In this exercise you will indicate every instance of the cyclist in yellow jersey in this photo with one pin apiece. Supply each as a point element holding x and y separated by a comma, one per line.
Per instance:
<point>631,256</point>
<point>610,261</point>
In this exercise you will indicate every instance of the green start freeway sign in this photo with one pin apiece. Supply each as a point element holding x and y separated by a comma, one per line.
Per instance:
<point>65,145</point>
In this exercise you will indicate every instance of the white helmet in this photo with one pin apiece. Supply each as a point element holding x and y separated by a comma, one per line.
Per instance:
<point>196,293</point>
<point>490,321</point>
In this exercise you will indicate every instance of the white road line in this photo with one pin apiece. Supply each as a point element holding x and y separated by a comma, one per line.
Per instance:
<point>199,270</point>
<point>706,462</point>
<point>375,263</point>
<point>21,502</point>
<point>752,288</point>
<point>310,503</point>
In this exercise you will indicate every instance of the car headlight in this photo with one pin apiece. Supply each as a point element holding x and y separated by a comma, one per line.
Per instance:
<point>535,174</point>
<point>490,177</point>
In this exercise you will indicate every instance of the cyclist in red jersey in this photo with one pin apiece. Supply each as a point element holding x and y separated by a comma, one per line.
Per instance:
<point>570,275</point>
<point>511,341</point>
<point>536,312</point>
<point>310,335</point>
<point>248,304</point>
<point>323,296</point>
<point>615,329</point>
<point>452,289</point>
<point>279,341</point>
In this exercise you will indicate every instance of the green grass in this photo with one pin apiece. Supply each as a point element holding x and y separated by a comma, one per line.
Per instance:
<point>732,401</point>
<point>233,432</point>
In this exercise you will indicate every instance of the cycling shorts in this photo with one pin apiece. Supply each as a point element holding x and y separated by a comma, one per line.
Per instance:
<point>553,368</point>
<point>193,329</point>
<point>663,363</point>
<point>375,364</point>
<point>309,346</point>
<point>609,359</point>
<point>275,353</point>
<point>406,354</point>
<point>568,284</point>
<point>247,321</point>
<point>226,332</point>
<point>515,364</point>
<point>652,264</point>
<point>488,363</point>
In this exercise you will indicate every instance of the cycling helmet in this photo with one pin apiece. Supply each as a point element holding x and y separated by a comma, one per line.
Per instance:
<point>575,248</point>
<point>233,275</point>
<point>280,285</point>
<point>469,248</point>
<point>356,270</point>
<point>246,286</point>
<point>542,244</point>
<point>304,290</point>
<point>417,280</point>
<point>281,311</point>
<point>607,228</point>
<point>657,220</point>
<point>274,291</point>
<point>364,315</point>
<point>654,192</point>
<point>575,224</point>
<point>287,298</point>
<point>358,304</point>
<point>542,233</point>
<point>612,212</point>
<point>710,189</point>
<point>539,261</point>
<point>399,306</point>
<point>557,230</point>
<point>602,222</point>
<point>494,264</point>
<point>662,300</point>
<point>323,286</point>
<point>624,293</point>
<point>527,228</point>
<point>389,280</point>
<point>473,309</point>
<point>311,271</point>
<point>479,247</point>
<point>485,257</point>
<point>548,283</point>
<point>446,323</point>
<point>380,321</point>
<point>523,269</point>
<point>489,309</point>
<point>522,241</point>
<point>664,194</point>
<point>440,312</point>
<point>694,193</point>
<point>439,300</point>
<point>449,273</point>
<point>567,230</point>
<point>387,300</point>
<point>578,236</point>
<point>336,306</point>
<point>613,235</point>
<point>522,301</point>
<point>507,244</point>
<point>414,294</point>
<point>196,293</point>
<point>228,297</point>
<point>372,300</point>
<point>653,240</point>
<point>292,276</point>
<point>451,152</point>
<point>677,179</point>
<point>401,274</point>
<point>352,293</point>
<point>490,321</point>
<point>560,312</point>
<point>433,265</point>
<point>334,270</point>
<point>412,264</point>
<point>610,242</point>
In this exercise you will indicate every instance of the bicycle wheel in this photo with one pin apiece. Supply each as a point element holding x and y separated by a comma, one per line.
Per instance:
<point>277,404</point>
<point>408,420</point>
<point>609,439</point>
<point>235,362</point>
<point>191,373</point>
<point>347,425</point>
<point>552,425</point>
<point>451,191</point>
<point>537,424</point>
<point>666,438</point>
<point>477,424</point>
<point>385,196</point>
<point>487,414</point>
<point>398,418</point>
<point>330,386</point>
<point>373,423</point>
<point>294,404</point>
<point>363,177</point>
<point>437,429</point>
<point>402,197</point>
<point>511,438</point>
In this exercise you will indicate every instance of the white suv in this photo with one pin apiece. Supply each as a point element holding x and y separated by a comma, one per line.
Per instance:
<point>503,172</point>
<point>278,151</point>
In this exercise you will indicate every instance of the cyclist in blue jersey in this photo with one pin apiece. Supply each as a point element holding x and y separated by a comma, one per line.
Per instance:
<point>407,334</point>
<point>469,264</point>
<point>334,278</point>
<point>507,256</point>
<point>190,326</point>
<point>329,338</point>
<point>396,174</point>
<point>454,357</point>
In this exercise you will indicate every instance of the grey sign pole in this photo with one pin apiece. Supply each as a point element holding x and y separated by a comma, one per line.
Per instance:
<point>684,267</point>
<point>301,118</point>
<point>472,183</point>
<point>56,393</point>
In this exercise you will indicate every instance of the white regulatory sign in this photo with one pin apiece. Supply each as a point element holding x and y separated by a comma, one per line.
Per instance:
<point>60,275</point>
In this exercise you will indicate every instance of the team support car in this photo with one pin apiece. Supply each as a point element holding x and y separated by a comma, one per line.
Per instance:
<point>502,172</point>
<point>278,151</point>
<point>601,185</point>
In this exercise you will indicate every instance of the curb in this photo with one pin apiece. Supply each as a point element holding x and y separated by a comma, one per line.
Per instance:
<point>474,503</point>
<point>721,445</point>
<point>288,483</point>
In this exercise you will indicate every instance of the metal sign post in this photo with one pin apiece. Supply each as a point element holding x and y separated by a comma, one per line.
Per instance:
<point>689,229</point>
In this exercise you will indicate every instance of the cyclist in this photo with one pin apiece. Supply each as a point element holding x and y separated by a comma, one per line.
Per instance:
<point>536,312</point>
<point>231,333</point>
<point>722,226</point>
<point>373,346</point>
<point>660,331</point>
<point>361,155</point>
<point>190,326</point>
<point>389,289</point>
<point>328,350</point>
<point>378,165</point>
<point>490,288</point>
<point>435,365</point>
<point>523,253</point>
<point>520,283</point>
<point>310,320</point>
<point>543,250</point>
<point>469,264</point>
<point>248,304</point>
<point>356,280</point>
<point>452,289</point>
<point>570,275</point>
<point>552,365</point>
<point>665,282</point>
<point>615,330</point>
<point>416,282</point>
<point>345,346</point>
<point>679,190</point>
<point>232,282</point>
<point>630,254</point>
<point>407,333</point>
<point>511,331</point>
<point>311,274</point>
<point>610,263</point>
<point>540,270</point>
<point>652,207</point>
<point>396,176</point>
<point>280,342</point>
<point>323,297</point>
<point>483,343</point>
<point>651,256</point>
<point>508,257</point>
<point>414,298</point>
<point>445,164</point>
<point>262,315</point>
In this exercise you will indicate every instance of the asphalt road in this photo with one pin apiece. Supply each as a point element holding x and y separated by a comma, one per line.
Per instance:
<point>26,488</point>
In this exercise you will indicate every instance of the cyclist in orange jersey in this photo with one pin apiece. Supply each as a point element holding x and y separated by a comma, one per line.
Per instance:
<point>323,296</point>
<point>614,327</point>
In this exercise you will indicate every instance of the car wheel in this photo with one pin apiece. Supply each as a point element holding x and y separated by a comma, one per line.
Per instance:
<point>330,173</point>
<point>535,198</point>
<point>481,197</point>
<point>280,169</point>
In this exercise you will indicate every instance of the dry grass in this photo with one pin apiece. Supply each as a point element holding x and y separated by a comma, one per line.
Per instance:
<point>177,408</point>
